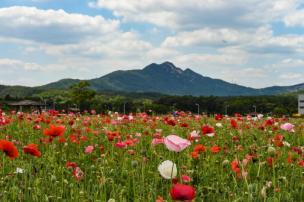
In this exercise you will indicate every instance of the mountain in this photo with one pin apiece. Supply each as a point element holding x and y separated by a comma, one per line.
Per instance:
<point>163,78</point>
<point>17,91</point>
<point>282,89</point>
<point>61,84</point>
<point>167,79</point>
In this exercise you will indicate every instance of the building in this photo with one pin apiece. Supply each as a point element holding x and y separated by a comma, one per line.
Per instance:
<point>301,104</point>
<point>29,104</point>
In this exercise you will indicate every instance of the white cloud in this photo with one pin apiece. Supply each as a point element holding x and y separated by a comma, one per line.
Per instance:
<point>194,14</point>
<point>288,63</point>
<point>215,59</point>
<point>255,41</point>
<point>52,26</point>
<point>62,35</point>
<point>295,19</point>
<point>207,37</point>
<point>292,76</point>
<point>7,64</point>
<point>115,45</point>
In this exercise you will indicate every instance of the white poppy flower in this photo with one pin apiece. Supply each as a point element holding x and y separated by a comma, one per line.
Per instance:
<point>219,125</point>
<point>167,169</point>
<point>194,134</point>
<point>287,144</point>
<point>19,170</point>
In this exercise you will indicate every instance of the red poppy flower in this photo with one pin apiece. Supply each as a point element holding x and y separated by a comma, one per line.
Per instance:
<point>297,150</point>
<point>301,163</point>
<point>289,159</point>
<point>171,122</point>
<point>270,161</point>
<point>215,149</point>
<point>278,137</point>
<point>53,112</point>
<point>184,125</point>
<point>235,166</point>
<point>54,131</point>
<point>218,117</point>
<point>62,140</point>
<point>71,122</point>
<point>32,149</point>
<point>234,123</point>
<point>9,149</point>
<point>84,138</point>
<point>194,154</point>
<point>70,164</point>
<point>36,127</point>
<point>74,138</point>
<point>278,143</point>
<point>207,130</point>
<point>182,192</point>
<point>199,148</point>
<point>269,122</point>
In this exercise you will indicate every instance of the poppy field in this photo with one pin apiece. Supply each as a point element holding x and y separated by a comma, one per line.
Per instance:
<point>93,157</point>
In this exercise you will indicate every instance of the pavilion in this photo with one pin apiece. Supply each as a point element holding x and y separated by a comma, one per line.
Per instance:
<point>26,104</point>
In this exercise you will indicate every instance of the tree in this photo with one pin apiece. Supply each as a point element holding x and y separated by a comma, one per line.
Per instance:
<point>280,111</point>
<point>118,102</point>
<point>81,94</point>
<point>7,97</point>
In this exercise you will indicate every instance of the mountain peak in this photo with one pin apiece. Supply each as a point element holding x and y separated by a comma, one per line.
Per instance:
<point>170,64</point>
<point>168,67</point>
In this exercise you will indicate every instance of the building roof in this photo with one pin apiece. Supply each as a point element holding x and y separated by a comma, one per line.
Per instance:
<point>26,103</point>
<point>75,109</point>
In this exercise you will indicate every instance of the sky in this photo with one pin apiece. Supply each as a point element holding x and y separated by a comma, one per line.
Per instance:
<point>255,43</point>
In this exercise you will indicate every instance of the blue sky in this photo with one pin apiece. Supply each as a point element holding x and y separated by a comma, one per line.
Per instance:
<point>255,43</point>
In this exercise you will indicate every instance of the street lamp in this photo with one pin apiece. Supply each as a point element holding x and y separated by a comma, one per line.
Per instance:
<point>198,108</point>
<point>124,108</point>
<point>255,108</point>
<point>173,106</point>
<point>173,109</point>
<point>226,109</point>
<point>44,105</point>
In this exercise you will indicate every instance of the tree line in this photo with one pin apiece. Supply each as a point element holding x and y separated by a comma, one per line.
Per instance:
<point>80,96</point>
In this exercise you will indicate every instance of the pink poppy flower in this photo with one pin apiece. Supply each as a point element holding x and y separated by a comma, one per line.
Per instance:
<point>78,173</point>
<point>120,144</point>
<point>288,127</point>
<point>113,122</point>
<point>89,149</point>
<point>176,143</point>
<point>186,178</point>
<point>157,141</point>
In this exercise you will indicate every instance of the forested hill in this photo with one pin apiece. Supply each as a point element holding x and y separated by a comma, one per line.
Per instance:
<point>163,78</point>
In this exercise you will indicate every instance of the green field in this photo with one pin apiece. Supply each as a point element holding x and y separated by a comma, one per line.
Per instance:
<point>233,159</point>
